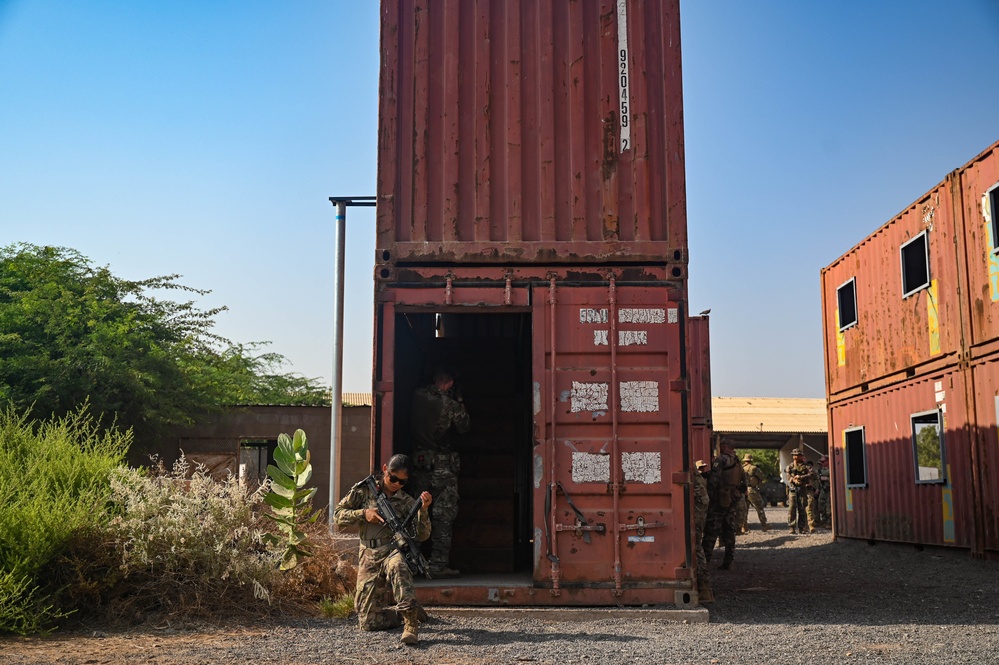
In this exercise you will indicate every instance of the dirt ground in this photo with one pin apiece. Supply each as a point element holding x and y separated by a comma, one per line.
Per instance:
<point>778,580</point>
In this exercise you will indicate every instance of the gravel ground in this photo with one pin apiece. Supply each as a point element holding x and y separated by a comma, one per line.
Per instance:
<point>788,599</point>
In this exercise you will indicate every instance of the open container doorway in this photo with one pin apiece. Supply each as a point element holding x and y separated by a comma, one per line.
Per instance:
<point>491,355</point>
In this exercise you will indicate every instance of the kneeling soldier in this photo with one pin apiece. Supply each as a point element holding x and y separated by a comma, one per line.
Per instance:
<point>380,562</point>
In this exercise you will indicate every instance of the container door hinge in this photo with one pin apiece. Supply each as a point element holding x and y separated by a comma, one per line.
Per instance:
<point>680,386</point>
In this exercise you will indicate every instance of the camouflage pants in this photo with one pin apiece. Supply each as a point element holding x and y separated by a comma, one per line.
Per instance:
<point>756,501</point>
<point>800,510</point>
<point>702,561</point>
<point>442,483</point>
<point>382,578</point>
<point>741,514</point>
<point>720,524</point>
<point>824,515</point>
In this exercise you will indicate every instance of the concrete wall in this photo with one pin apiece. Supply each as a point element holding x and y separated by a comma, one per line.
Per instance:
<point>215,439</point>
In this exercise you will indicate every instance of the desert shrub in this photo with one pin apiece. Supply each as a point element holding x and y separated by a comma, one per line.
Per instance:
<point>53,484</point>
<point>186,546</point>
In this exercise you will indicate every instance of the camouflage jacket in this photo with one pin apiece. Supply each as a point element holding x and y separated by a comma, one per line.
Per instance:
<point>754,475</point>
<point>350,512</point>
<point>431,418</point>
<point>823,477</point>
<point>799,478</point>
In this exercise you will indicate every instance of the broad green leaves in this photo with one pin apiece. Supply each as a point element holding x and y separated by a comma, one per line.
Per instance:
<point>288,498</point>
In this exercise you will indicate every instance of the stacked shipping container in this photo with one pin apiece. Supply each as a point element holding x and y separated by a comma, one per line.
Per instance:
<point>532,234</point>
<point>911,351</point>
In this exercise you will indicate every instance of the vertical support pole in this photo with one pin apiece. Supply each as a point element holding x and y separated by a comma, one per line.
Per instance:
<point>336,415</point>
<point>553,485</point>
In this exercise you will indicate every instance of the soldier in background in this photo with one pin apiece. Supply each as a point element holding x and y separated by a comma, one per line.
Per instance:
<point>741,515</point>
<point>824,511</point>
<point>437,411</point>
<point>701,503</point>
<point>754,479</point>
<point>800,484</point>
<point>726,483</point>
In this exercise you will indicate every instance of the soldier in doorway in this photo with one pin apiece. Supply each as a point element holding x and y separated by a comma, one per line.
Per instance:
<point>800,487</point>
<point>725,484</point>
<point>437,411</point>
<point>701,503</point>
<point>754,479</point>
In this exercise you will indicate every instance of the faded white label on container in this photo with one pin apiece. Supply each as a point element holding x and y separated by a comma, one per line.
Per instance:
<point>645,468</point>
<point>588,396</point>
<point>641,315</point>
<point>587,315</point>
<point>641,539</point>
<point>624,337</point>
<point>640,396</point>
<point>590,468</point>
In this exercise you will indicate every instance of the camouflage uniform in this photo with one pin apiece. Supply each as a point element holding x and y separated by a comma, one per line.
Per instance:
<point>701,503</point>
<point>741,515</point>
<point>824,512</point>
<point>434,413</point>
<point>381,567</point>
<point>754,479</point>
<point>800,497</point>
<point>725,484</point>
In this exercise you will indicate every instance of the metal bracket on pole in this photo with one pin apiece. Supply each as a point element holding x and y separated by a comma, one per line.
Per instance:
<point>336,420</point>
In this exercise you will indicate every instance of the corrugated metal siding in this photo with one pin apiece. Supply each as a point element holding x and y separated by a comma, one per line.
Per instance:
<point>500,133</point>
<point>893,507</point>
<point>894,334</point>
<point>985,373</point>
<point>607,426</point>
<point>976,179</point>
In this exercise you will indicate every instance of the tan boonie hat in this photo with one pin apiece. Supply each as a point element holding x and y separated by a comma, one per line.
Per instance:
<point>795,452</point>
<point>747,458</point>
<point>700,464</point>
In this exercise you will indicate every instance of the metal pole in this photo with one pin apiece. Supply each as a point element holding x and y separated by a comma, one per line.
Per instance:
<point>336,419</point>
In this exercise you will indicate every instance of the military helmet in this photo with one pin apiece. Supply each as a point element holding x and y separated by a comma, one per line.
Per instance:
<point>747,458</point>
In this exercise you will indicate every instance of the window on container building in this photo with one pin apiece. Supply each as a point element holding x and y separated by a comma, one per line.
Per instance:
<point>928,446</point>
<point>915,265</point>
<point>856,457</point>
<point>992,200</point>
<point>846,298</point>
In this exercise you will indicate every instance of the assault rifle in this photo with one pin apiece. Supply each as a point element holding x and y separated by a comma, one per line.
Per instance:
<point>405,541</point>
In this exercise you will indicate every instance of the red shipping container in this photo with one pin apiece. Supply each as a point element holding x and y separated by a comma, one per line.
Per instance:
<point>699,369</point>
<point>575,481</point>
<point>978,183</point>
<point>985,461</point>
<point>531,131</point>
<point>890,482</point>
<point>875,330</point>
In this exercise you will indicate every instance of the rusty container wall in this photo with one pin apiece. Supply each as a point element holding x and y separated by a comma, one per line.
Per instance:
<point>891,505</point>
<point>976,180</point>
<point>985,465</point>
<point>574,482</point>
<point>699,370</point>
<point>531,131</point>
<point>895,337</point>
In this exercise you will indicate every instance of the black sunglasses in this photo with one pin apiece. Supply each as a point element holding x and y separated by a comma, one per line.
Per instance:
<point>397,480</point>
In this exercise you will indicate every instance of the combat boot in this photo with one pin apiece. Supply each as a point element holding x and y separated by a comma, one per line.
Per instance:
<point>411,632</point>
<point>726,563</point>
<point>765,526</point>
<point>704,594</point>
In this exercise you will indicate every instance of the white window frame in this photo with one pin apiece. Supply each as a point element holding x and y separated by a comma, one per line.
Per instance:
<point>901,251</point>
<point>943,448</point>
<point>846,455</point>
<point>839,304</point>
<point>992,196</point>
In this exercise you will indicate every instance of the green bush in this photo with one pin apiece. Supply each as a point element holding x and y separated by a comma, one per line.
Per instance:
<point>188,545</point>
<point>53,484</point>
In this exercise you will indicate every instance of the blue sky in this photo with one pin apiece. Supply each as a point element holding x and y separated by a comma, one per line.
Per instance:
<point>204,138</point>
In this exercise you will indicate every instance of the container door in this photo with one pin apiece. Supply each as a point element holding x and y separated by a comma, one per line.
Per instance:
<point>610,438</point>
